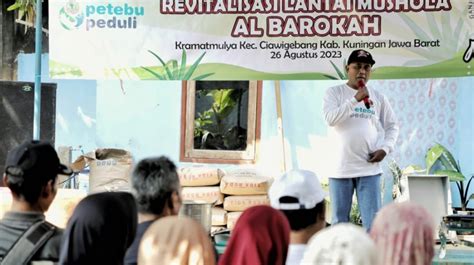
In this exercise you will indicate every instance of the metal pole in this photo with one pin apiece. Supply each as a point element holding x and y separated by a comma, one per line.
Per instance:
<point>38,48</point>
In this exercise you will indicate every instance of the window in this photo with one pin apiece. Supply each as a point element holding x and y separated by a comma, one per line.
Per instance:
<point>220,121</point>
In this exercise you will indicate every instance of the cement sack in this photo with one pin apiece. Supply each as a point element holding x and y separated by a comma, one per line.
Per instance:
<point>245,185</point>
<point>199,176</point>
<point>219,216</point>
<point>241,203</point>
<point>206,194</point>
<point>232,218</point>
<point>109,169</point>
<point>241,171</point>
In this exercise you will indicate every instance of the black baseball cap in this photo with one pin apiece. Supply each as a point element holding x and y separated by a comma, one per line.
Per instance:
<point>361,56</point>
<point>35,159</point>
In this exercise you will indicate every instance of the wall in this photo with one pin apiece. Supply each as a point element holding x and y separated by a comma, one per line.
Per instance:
<point>465,145</point>
<point>75,105</point>
<point>429,111</point>
<point>144,117</point>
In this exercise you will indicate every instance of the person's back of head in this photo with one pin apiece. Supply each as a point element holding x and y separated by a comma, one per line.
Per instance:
<point>260,236</point>
<point>156,186</point>
<point>301,219</point>
<point>100,230</point>
<point>299,195</point>
<point>31,171</point>
<point>341,244</point>
<point>176,240</point>
<point>404,234</point>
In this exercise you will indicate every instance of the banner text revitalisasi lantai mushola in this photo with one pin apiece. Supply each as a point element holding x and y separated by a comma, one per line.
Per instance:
<point>299,6</point>
<point>297,17</point>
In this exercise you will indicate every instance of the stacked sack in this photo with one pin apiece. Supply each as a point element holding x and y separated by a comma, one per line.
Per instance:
<point>243,189</point>
<point>202,184</point>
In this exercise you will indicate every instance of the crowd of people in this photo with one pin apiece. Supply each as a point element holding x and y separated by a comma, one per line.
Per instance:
<point>143,228</point>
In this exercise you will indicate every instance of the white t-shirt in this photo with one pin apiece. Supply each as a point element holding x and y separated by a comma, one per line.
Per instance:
<point>358,131</point>
<point>295,254</point>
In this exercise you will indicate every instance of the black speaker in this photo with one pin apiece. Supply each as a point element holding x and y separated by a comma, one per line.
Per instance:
<point>16,115</point>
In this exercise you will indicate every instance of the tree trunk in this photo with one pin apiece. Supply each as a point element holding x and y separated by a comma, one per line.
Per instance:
<point>14,39</point>
<point>7,54</point>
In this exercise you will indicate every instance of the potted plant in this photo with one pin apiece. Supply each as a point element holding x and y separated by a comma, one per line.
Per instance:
<point>396,176</point>
<point>440,161</point>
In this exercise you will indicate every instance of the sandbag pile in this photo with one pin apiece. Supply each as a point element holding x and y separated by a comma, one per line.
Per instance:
<point>202,184</point>
<point>232,191</point>
<point>243,189</point>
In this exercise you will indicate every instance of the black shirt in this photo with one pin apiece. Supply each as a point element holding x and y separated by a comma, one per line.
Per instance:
<point>14,224</point>
<point>131,256</point>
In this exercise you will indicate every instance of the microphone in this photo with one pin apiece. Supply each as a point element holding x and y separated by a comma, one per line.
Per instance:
<point>361,84</point>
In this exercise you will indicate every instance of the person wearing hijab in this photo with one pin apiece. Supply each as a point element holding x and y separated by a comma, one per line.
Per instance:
<point>174,240</point>
<point>260,237</point>
<point>404,234</point>
<point>100,229</point>
<point>341,244</point>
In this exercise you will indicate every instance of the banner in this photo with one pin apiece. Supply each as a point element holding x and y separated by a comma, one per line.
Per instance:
<point>258,39</point>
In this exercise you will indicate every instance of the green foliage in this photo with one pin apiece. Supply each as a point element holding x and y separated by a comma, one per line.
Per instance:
<point>341,73</point>
<point>396,175</point>
<point>203,120</point>
<point>453,175</point>
<point>413,169</point>
<point>439,156</point>
<point>211,125</point>
<point>355,216</point>
<point>224,101</point>
<point>444,32</point>
<point>175,71</point>
<point>25,8</point>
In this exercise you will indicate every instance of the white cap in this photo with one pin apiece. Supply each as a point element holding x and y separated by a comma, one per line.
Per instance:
<point>303,185</point>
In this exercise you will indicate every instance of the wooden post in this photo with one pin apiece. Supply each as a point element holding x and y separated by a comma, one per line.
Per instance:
<point>281,134</point>
<point>64,154</point>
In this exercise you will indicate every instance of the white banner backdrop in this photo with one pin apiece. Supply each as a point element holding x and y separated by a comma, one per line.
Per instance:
<point>258,39</point>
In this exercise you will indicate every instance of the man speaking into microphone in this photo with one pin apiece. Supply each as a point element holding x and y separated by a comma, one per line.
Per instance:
<point>365,130</point>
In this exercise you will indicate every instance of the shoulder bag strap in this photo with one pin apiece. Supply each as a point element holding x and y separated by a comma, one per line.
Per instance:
<point>28,244</point>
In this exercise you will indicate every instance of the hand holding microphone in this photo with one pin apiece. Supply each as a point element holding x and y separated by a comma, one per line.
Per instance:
<point>362,93</point>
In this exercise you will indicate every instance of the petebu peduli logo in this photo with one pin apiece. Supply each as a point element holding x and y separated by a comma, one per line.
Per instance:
<point>71,15</point>
<point>95,17</point>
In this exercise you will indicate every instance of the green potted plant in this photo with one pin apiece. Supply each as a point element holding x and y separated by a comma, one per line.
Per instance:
<point>440,161</point>
<point>397,176</point>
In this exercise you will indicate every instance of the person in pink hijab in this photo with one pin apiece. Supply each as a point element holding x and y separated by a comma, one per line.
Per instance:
<point>260,237</point>
<point>404,234</point>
